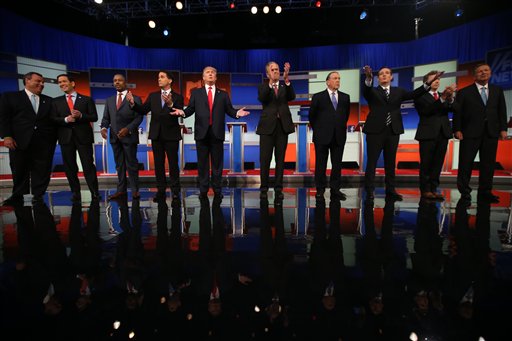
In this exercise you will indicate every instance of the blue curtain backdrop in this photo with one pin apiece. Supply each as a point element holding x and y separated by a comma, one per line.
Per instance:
<point>465,43</point>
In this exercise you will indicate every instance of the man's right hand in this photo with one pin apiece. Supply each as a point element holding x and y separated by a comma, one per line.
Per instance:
<point>103,132</point>
<point>368,72</point>
<point>129,98</point>
<point>458,135</point>
<point>10,143</point>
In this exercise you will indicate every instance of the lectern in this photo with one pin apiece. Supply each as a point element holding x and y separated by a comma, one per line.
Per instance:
<point>302,147</point>
<point>236,147</point>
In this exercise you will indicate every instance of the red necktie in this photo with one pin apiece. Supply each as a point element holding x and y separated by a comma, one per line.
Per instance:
<point>70,102</point>
<point>210,103</point>
<point>436,96</point>
<point>276,90</point>
<point>119,100</point>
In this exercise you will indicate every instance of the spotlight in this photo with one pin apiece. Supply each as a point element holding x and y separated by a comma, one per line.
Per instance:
<point>279,9</point>
<point>266,9</point>
<point>179,5</point>
<point>254,9</point>
<point>99,2</point>
<point>318,4</point>
<point>458,12</point>
<point>152,24</point>
<point>232,5</point>
<point>363,15</point>
<point>165,32</point>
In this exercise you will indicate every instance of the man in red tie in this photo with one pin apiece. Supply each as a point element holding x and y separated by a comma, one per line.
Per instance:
<point>74,113</point>
<point>210,104</point>
<point>124,123</point>
<point>433,133</point>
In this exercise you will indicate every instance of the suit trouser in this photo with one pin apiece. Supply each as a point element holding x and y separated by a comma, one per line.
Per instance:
<point>432,153</point>
<point>31,167</point>
<point>125,155</point>
<point>322,153</point>
<point>160,150</point>
<point>85,152</point>
<point>469,147</point>
<point>386,141</point>
<point>274,143</point>
<point>210,148</point>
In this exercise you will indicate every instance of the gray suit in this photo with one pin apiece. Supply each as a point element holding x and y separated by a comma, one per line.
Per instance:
<point>125,149</point>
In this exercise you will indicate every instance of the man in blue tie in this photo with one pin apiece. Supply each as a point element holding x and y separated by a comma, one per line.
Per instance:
<point>328,115</point>
<point>479,120</point>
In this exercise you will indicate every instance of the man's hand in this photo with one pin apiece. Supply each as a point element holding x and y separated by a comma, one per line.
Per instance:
<point>123,132</point>
<point>10,143</point>
<point>129,98</point>
<point>458,135</point>
<point>433,77</point>
<point>286,71</point>
<point>76,114</point>
<point>503,135</point>
<point>177,112</point>
<point>368,72</point>
<point>242,112</point>
<point>167,99</point>
<point>103,133</point>
<point>70,118</point>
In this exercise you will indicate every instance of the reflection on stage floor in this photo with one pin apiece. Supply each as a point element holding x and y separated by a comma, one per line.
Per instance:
<point>299,268</point>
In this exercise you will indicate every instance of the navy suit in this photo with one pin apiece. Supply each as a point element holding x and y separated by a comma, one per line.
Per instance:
<point>125,149</point>
<point>329,134</point>
<point>274,126</point>
<point>379,136</point>
<point>210,138</point>
<point>35,136</point>
<point>77,136</point>
<point>165,135</point>
<point>433,133</point>
<point>480,125</point>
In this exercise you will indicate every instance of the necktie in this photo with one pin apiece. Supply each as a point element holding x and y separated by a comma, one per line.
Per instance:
<point>164,93</point>
<point>70,102</point>
<point>34,102</point>
<point>210,103</point>
<point>334,100</point>
<point>276,89</point>
<point>436,96</point>
<point>483,94</point>
<point>119,100</point>
<point>388,116</point>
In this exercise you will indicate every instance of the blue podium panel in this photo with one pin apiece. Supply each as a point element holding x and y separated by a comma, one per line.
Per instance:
<point>236,147</point>
<point>302,147</point>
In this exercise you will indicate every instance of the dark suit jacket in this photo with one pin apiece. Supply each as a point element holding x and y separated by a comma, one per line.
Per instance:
<point>19,121</point>
<point>198,104</point>
<point>379,107</point>
<point>326,121</point>
<point>163,126</point>
<point>273,105</point>
<point>470,113</point>
<point>82,127</point>
<point>118,119</point>
<point>433,118</point>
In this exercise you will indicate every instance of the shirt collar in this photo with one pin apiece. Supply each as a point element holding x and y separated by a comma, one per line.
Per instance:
<point>479,87</point>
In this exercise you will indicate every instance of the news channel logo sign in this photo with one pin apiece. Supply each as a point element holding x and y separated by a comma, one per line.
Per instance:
<point>500,62</point>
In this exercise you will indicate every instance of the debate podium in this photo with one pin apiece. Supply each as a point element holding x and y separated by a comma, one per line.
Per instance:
<point>181,148</point>
<point>302,147</point>
<point>237,132</point>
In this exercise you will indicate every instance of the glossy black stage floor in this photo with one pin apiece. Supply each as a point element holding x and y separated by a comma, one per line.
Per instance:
<point>249,269</point>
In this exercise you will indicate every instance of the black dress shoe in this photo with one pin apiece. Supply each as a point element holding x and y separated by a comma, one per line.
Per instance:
<point>95,196</point>
<point>263,195</point>
<point>278,195</point>
<point>37,198</point>
<point>12,201</point>
<point>337,194</point>
<point>489,197</point>
<point>394,196</point>
<point>319,194</point>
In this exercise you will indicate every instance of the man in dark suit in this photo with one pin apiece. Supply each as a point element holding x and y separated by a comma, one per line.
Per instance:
<point>30,136</point>
<point>384,125</point>
<point>73,113</point>
<point>210,104</point>
<point>124,123</point>
<point>433,133</point>
<point>328,115</point>
<point>479,120</point>
<point>274,126</point>
<point>164,132</point>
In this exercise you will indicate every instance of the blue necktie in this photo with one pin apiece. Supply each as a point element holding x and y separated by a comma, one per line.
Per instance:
<point>333,100</point>
<point>483,94</point>
<point>34,102</point>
